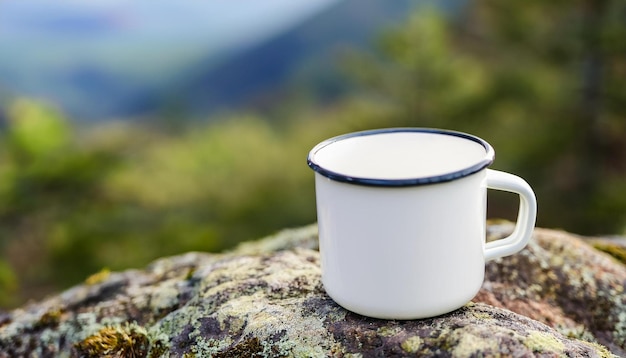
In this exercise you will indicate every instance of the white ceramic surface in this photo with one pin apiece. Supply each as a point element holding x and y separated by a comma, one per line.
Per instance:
<point>401,216</point>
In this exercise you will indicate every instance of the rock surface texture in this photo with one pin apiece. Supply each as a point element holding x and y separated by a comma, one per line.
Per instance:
<point>560,297</point>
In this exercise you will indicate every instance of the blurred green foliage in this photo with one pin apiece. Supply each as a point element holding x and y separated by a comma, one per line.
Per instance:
<point>542,82</point>
<point>122,194</point>
<point>523,76</point>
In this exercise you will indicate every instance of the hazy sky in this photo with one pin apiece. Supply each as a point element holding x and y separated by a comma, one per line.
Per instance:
<point>141,37</point>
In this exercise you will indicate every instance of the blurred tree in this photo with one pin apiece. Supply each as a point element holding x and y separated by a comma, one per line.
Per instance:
<point>45,178</point>
<point>543,82</point>
<point>8,284</point>
<point>581,45</point>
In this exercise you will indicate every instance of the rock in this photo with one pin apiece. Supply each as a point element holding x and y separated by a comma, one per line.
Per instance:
<point>558,297</point>
<point>562,281</point>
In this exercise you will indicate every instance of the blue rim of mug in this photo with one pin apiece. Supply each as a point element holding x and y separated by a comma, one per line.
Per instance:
<point>482,164</point>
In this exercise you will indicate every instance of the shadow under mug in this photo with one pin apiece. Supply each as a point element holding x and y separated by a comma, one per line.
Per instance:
<point>401,215</point>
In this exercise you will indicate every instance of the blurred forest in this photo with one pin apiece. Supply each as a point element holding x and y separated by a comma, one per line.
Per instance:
<point>543,82</point>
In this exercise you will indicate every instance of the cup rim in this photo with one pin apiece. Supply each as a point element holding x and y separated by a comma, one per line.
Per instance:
<point>482,164</point>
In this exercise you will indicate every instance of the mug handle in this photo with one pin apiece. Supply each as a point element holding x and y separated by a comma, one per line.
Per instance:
<point>525,219</point>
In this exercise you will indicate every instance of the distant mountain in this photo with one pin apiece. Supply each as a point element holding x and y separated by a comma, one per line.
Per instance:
<point>114,59</point>
<point>104,58</point>
<point>314,43</point>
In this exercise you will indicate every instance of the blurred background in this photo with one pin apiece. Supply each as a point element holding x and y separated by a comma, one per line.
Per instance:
<point>135,130</point>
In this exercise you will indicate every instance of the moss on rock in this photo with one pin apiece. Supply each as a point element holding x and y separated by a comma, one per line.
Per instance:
<point>615,248</point>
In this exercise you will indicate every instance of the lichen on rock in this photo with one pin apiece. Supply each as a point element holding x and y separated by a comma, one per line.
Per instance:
<point>558,297</point>
<point>562,281</point>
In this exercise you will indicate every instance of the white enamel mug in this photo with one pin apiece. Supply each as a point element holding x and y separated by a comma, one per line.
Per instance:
<point>401,215</point>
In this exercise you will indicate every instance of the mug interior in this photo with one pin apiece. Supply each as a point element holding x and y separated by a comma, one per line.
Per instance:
<point>401,156</point>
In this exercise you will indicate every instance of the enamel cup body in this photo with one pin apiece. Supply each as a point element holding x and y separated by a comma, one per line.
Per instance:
<point>401,215</point>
